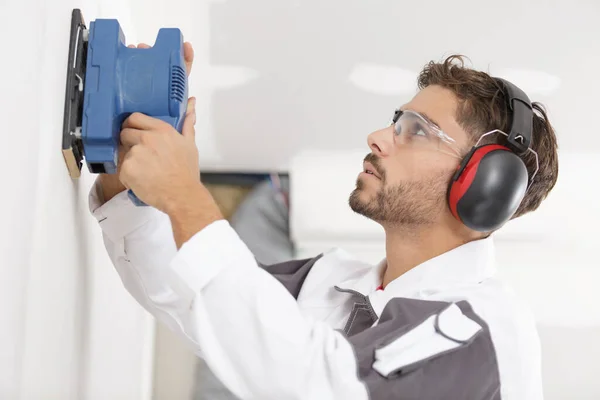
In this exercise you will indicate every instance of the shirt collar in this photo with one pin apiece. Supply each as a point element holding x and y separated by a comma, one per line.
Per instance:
<point>470,263</point>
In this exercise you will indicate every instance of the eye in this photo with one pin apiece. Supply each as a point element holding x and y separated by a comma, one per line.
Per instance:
<point>420,132</point>
<point>417,130</point>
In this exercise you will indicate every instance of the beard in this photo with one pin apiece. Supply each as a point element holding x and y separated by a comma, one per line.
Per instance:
<point>411,204</point>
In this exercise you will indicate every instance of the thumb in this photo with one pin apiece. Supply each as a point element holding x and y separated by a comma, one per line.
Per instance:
<point>190,119</point>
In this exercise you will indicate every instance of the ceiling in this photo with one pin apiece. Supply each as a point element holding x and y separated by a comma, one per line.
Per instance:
<point>276,77</point>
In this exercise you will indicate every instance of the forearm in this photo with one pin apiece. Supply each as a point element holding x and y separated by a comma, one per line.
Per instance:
<point>188,214</point>
<point>192,213</point>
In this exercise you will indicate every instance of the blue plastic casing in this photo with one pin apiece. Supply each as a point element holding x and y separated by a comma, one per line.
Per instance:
<point>120,81</point>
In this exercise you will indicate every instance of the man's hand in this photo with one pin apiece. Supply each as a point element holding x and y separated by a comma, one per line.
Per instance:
<point>161,166</point>
<point>110,183</point>
<point>162,169</point>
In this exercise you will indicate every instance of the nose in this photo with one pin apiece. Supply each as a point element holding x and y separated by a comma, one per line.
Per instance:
<point>381,142</point>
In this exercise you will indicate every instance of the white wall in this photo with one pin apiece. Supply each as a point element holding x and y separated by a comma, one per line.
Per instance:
<point>68,330</point>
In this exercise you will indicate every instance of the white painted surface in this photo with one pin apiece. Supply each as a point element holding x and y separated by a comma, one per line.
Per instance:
<point>68,329</point>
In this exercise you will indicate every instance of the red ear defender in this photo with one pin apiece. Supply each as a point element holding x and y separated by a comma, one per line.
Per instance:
<point>491,181</point>
<point>488,187</point>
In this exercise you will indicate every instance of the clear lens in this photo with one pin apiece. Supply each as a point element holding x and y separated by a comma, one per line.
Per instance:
<point>412,129</point>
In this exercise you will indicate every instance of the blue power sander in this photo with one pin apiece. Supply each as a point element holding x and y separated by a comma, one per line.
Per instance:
<point>107,82</point>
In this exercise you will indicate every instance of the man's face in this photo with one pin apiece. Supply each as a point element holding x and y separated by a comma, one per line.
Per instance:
<point>411,180</point>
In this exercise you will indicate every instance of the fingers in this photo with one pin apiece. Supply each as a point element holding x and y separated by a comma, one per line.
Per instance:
<point>191,105</point>
<point>188,55</point>
<point>141,121</point>
<point>190,119</point>
<point>139,46</point>
<point>130,137</point>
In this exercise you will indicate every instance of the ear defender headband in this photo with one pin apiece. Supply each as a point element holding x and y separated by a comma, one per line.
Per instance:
<point>491,181</point>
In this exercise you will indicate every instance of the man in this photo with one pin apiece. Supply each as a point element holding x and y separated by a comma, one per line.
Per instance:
<point>429,322</point>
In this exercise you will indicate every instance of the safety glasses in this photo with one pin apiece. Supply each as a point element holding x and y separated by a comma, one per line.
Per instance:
<point>412,129</point>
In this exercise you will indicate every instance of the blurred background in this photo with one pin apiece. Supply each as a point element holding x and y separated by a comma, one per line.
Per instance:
<point>288,91</point>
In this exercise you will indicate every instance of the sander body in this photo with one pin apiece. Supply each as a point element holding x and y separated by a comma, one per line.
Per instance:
<point>108,81</point>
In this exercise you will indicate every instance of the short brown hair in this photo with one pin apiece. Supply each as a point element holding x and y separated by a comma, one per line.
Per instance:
<point>482,107</point>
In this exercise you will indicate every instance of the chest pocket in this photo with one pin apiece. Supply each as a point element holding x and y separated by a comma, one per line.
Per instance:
<point>439,334</point>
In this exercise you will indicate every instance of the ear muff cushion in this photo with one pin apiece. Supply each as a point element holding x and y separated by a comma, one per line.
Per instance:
<point>490,188</point>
